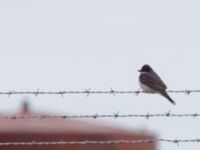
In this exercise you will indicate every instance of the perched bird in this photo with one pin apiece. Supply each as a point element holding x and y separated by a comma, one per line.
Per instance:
<point>150,82</point>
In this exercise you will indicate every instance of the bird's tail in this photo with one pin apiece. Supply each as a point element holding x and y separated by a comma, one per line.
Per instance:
<point>164,93</point>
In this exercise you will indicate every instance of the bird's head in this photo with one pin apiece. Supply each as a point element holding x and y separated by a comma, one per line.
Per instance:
<point>145,68</point>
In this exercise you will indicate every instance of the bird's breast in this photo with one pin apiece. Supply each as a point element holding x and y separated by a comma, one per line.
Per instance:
<point>145,88</point>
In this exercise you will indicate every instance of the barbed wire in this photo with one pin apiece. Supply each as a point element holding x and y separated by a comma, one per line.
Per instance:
<point>86,142</point>
<point>87,92</point>
<point>98,116</point>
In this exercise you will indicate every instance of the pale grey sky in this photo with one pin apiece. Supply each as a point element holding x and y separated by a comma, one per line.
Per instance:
<point>76,45</point>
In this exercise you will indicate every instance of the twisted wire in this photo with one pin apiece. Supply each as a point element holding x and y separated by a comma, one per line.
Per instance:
<point>98,116</point>
<point>87,92</point>
<point>86,142</point>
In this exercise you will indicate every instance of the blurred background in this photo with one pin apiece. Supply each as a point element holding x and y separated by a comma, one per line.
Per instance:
<point>77,45</point>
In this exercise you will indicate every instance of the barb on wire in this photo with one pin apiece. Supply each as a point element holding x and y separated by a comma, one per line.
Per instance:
<point>86,142</point>
<point>88,92</point>
<point>98,116</point>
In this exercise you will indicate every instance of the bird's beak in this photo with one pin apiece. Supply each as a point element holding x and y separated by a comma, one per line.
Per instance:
<point>139,70</point>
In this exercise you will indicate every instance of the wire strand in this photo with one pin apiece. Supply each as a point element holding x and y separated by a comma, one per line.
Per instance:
<point>98,116</point>
<point>86,142</point>
<point>87,92</point>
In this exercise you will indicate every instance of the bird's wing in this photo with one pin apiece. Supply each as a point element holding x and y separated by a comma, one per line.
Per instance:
<point>153,81</point>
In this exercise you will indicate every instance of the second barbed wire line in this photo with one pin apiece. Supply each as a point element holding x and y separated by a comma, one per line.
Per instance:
<point>98,116</point>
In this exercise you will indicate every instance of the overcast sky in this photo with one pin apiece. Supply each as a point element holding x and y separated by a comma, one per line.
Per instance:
<point>77,45</point>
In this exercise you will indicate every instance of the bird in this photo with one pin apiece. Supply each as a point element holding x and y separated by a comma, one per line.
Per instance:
<point>150,82</point>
